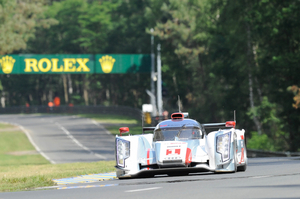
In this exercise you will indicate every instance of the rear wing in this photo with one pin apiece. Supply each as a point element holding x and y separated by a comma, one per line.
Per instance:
<point>228,124</point>
<point>148,129</point>
<point>220,125</point>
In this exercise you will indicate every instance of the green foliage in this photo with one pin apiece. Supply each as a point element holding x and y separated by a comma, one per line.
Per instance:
<point>217,55</point>
<point>264,142</point>
<point>267,114</point>
<point>129,24</point>
<point>19,21</point>
<point>261,142</point>
<point>276,30</point>
<point>83,27</point>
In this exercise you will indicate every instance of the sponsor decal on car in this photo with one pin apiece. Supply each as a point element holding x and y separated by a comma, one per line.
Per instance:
<point>173,152</point>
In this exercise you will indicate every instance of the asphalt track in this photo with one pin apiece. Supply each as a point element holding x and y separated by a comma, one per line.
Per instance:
<point>264,178</point>
<point>65,139</point>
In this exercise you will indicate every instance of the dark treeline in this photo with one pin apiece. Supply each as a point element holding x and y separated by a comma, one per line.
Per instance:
<point>218,55</point>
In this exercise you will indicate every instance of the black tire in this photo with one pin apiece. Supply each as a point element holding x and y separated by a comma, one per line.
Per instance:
<point>235,161</point>
<point>178,174</point>
<point>244,167</point>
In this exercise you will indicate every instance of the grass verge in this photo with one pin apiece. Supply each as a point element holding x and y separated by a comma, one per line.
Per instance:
<point>113,122</point>
<point>21,168</point>
<point>111,119</point>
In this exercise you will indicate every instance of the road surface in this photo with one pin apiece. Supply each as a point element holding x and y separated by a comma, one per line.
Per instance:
<point>72,139</point>
<point>65,139</point>
<point>265,178</point>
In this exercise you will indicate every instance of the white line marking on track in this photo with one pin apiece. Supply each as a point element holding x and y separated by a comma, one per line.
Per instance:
<point>147,189</point>
<point>78,143</point>
<point>261,176</point>
<point>32,142</point>
<point>99,125</point>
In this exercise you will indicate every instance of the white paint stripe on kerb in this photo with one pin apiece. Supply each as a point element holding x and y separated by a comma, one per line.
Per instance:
<point>86,178</point>
<point>78,143</point>
<point>32,142</point>
<point>147,189</point>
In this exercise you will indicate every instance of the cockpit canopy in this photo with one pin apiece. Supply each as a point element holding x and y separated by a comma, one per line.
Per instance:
<point>177,133</point>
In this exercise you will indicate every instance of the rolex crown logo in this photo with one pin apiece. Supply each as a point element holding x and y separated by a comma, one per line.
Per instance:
<point>107,63</point>
<point>7,64</point>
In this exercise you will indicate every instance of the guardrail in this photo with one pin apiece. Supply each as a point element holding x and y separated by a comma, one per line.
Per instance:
<point>252,153</point>
<point>119,110</point>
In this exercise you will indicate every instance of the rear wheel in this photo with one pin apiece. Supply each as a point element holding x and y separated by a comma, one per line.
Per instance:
<point>244,167</point>
<point>235,157</point>
<point>235,165</point>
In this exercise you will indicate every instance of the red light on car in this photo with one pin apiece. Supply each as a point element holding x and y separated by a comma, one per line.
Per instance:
<point>123,130</point>
<point>230,124</point>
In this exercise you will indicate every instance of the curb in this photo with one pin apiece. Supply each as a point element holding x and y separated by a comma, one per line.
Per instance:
<point>86,178</point>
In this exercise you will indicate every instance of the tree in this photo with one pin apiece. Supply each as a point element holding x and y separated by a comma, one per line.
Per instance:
<point>219,44</point>
<point>296,90</point>
<point>218,55</point>
<point>276,27</point>
<point>183,28</point>
<point>19,21</point>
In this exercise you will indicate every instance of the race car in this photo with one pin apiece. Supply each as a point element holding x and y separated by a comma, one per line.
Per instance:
<point>179,146</point>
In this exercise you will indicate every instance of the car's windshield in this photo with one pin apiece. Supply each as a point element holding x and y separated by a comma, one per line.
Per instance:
<point>182,133</point>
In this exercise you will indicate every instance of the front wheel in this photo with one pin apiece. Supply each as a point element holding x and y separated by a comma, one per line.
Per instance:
<point>178,174</point>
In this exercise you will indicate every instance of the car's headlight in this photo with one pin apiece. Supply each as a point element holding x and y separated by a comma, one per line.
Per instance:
<point>223,145</point>
<point>122,151</point>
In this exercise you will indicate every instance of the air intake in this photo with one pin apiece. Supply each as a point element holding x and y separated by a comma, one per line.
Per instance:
<point>175,116</point>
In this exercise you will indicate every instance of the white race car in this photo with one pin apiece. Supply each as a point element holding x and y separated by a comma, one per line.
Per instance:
<point>179,146</point>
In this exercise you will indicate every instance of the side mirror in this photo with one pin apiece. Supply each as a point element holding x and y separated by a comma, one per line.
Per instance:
<point>123,130</point>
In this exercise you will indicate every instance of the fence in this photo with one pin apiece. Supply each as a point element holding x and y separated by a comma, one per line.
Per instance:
<point>116,110</point>
<point>252,153</point>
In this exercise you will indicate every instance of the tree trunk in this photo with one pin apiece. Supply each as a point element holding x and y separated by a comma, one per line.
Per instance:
<point>70,84</point>
<point>85,90</point>
<point>2,100</point>
<point>64,77</point>
<point>250,65</point>
<point>255,79</point>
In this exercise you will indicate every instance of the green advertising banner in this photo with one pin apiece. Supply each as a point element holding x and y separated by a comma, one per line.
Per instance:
<point>120,63</point>
<point>75,64</point>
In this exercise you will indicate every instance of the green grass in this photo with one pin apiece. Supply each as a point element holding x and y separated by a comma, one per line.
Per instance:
<point>22,168</point>
<point>111,119</point>
<point>13,141</point>
<point>133,130</point>
<point>4,126</point>
<point>135,126</point>
<point>24,177</point>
